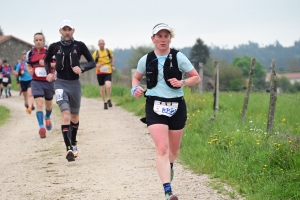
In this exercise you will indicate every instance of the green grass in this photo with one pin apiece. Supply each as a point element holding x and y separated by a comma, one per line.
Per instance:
<point>4,116</point>
<point>241,153</point>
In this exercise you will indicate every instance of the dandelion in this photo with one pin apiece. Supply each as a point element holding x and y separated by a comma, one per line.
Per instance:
<point>277,149</point>
<point>265,165</point>
<point>257,143</point>
<point>281,169</point>
<point>250,122</point>
<point>209,143</point>
<point>290,141</point>
<point>193,114</point>
<point>220,131</point>
<point>283,120</point>
<point>198,111</point>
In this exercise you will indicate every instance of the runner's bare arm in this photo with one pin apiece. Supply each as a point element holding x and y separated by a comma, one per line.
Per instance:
<point>29,69</point>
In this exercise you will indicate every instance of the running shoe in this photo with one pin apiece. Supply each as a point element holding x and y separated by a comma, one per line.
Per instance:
<point>42,132</point>
<point>70,156</point>
<point>105,106</point>
<point>172,174</point>
<point>109,103</point>
<point>48,124</point>
<point>170,196</point>
<point>75,151</point>
<point>28,110</point>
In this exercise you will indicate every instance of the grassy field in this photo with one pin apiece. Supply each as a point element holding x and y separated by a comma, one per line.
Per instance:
<point>4,116</point>
<point>241,153</point>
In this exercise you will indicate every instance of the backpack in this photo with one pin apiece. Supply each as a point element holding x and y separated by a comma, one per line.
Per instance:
<point>97,55</point>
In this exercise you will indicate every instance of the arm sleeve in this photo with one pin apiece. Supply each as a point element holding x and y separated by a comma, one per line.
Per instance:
<point>48,58</point>
<point>91,63</point>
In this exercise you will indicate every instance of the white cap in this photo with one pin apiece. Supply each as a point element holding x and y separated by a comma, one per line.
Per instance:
<point>66,22</point>
<point>159,27</point>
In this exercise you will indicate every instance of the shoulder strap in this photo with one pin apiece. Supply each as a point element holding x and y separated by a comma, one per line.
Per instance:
<point>108,53</point>
<point>151,59</point>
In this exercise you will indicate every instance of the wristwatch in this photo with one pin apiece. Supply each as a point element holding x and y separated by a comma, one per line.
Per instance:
<point>183,83</point>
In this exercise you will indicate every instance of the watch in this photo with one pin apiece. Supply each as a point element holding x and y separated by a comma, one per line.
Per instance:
<point>183,83</point>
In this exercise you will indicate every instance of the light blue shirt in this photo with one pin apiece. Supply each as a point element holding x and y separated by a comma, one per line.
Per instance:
<point>26,76</point>
<point>162,89</point>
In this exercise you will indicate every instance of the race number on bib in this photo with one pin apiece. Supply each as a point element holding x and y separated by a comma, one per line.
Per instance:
<point>5,79</point>
<point>104,68</point>
<point>165,108</point>
<point>59,94</point>
<point>40,72</point>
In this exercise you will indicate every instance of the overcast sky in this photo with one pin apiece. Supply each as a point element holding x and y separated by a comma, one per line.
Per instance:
<point>123,24</point>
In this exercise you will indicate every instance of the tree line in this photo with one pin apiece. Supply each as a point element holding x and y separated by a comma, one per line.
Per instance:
<point>234,63</point>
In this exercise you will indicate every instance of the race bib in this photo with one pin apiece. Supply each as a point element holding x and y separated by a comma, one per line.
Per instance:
<point>1,76</point>
<point>5,79</point>
<point>40,72</point>
<point>165,108</point>
<point>59,94</point>
<point>104,68</point>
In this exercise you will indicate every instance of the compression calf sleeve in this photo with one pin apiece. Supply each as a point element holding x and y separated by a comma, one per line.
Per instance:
<point>65,130</point>
<point>74,129</point>
<point>40,118</point>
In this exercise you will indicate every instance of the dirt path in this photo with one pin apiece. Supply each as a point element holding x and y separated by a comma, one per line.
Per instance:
<point>116,159</point>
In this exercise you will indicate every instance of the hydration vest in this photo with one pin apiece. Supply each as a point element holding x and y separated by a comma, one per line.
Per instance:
<point>98,56</point>
<point>33,58</point>
<point>6,70</point>
<point>171,69</point>
<point>61,56</point>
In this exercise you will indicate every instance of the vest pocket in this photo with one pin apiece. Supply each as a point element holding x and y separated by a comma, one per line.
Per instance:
<point>151,76</point>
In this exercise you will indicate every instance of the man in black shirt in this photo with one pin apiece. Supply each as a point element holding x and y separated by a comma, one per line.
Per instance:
<point>67,85</point>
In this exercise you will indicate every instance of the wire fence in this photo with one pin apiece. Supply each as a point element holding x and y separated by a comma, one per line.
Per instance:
<point>271,91</point>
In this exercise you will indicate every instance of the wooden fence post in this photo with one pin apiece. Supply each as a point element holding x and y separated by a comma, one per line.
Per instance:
<point>273,97</point>
<point>246,100</point>
<point>201,76</point>
<point>216,92</point>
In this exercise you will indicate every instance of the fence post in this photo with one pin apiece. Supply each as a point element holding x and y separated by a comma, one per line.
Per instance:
<point>216,92</point>
<point>201,76</point>
<point>246,100</point>
<point>273,97</point>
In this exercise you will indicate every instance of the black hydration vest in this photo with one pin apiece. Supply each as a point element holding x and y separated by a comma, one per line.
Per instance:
<point>60,56</point>
<point>171,69</point>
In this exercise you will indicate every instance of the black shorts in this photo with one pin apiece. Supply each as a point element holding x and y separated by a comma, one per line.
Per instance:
<point>25,85</point>
<point>0,81</point>
<point>102,78</point>
<point>176,122</point>
<point>6,81</point>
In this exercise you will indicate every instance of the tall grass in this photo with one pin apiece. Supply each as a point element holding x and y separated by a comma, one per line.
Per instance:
<point>4,116</point>
<point>256,163</point>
